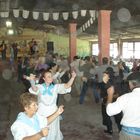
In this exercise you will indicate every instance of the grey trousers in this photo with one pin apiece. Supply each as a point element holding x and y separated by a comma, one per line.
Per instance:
<point>125,136</point>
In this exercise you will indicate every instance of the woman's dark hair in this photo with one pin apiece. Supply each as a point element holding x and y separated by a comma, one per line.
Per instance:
<point>41,80</point>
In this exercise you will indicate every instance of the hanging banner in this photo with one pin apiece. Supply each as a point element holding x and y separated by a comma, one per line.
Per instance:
<point>96,14</point>
<point>83,28</point>
<point>92,13</point>
<point>46,16</point>
<point>88,23</point>
<point>16,13</point>
<point>83,13</point>
<point>91,20</point>
<point>55,16</point>
<point>65,15</point>
<point>25,14</point>
<point>75,14</point>
<point>4,14</point>
<point>35,15</point>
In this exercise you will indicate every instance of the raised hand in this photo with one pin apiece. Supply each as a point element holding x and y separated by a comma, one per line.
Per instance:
<point>31,77</point>
<point>73,74</point>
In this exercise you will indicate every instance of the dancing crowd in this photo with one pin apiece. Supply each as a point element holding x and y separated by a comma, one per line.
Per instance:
<point>47,76</point>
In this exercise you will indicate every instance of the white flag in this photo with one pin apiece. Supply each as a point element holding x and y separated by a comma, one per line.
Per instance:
<point>35,15</point>
<point>25,14</point>
<point>91,20</point>
<point>92,13</point>
<point>88,23</point>
<point>75,14</point>
<point>55,16</point>
<point>83,13</point>
<point>6,14</point>
<point>16,13</point>
<point>46,16</point>
<point>65,15</point>
<point>83,28</point>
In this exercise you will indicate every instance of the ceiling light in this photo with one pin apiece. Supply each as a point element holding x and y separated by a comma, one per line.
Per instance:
<point>8,24</point>
<point>10,32</point>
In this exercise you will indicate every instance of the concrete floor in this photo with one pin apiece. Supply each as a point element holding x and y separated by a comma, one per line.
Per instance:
<point>80,122</point>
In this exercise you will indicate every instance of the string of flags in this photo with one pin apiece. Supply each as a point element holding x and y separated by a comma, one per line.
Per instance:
<point>93,14</point>
<point>46,15</point>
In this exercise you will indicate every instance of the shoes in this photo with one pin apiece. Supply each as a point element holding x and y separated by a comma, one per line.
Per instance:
<point>108,132</point>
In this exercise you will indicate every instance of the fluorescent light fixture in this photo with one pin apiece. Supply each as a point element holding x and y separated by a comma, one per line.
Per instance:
<point>10,32</point>
<point>8,24</point>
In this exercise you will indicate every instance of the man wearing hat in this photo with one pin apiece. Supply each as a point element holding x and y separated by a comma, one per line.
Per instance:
<point>129,104</point>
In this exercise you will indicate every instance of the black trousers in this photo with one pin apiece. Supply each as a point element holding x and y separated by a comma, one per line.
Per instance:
<point>107,119</point>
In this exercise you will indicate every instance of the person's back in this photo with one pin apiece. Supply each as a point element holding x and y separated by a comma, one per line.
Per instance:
<point>129,104</point>
<point>131,113</point>
<point>100,69</point>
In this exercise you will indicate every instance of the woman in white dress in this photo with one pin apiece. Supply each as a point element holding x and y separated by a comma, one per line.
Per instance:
<point>47,95</point>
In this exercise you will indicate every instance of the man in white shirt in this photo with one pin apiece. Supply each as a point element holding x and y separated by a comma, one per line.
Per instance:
<point>129,104</point>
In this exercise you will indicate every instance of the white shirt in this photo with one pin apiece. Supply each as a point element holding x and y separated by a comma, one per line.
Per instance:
<point>129,104</point>
<point>20,129</point>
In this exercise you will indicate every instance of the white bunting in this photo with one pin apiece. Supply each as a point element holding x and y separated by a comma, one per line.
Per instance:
<point>46,16</point>
<point>92,13</point>
<point>75,14</point>
<point>55,16</point>
<point>25,14</point>
<point>65,15</point>
<point>6,14</point>
<point>16,13</point>
<point>35,15</point>
<point>88,23</point>
<point>2,14</point>
<point>96,14</point>
<point>83,28</point>
<point>91,20</point>
<point>83,13</point>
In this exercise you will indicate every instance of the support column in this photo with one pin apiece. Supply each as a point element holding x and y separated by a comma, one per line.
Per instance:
<point>103,34</point>
<point>72,40</point>
<point>119,47</point>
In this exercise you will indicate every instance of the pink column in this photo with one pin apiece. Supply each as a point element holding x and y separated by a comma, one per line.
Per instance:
<point>72,40</point>
<point>103,34</point>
